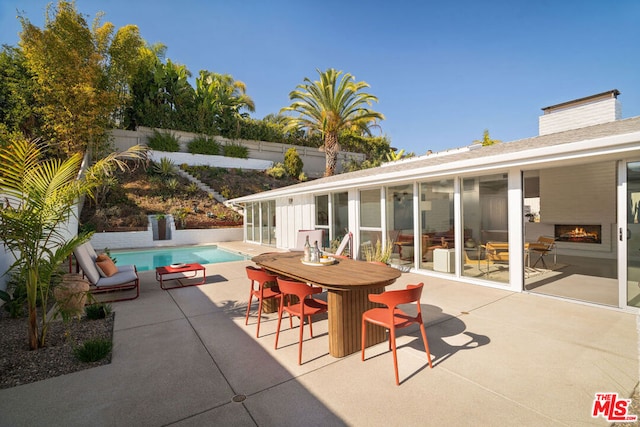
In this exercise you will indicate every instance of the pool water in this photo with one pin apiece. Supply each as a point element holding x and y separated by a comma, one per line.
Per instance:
<point>149,259</point>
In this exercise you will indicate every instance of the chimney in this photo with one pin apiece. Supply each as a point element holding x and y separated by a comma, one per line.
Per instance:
<point>592,110</point>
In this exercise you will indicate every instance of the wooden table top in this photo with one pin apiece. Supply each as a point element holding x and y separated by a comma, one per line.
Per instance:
<point>344,274</point>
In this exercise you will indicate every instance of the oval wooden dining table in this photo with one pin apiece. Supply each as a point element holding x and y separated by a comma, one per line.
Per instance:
<point>348,283</point>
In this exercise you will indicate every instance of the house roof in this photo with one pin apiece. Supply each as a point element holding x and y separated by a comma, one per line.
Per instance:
<point>598,140</point>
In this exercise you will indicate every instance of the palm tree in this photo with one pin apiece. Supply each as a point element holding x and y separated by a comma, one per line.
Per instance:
<point>486,139</point>
<point>40,195</point>
<point>221,99</point>
<point>332,105</point>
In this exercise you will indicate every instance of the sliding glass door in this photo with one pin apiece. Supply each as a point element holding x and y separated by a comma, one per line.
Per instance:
<point>485,210</point>
<point>633,233</point>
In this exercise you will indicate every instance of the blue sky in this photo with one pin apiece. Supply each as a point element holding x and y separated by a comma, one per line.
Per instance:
<point>443,70</point>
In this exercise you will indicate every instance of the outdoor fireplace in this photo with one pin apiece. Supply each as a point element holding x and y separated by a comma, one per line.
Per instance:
<point>578,233</point>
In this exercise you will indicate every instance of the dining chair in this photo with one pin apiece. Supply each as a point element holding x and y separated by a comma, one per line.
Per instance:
<point>305,306</point>
<point>543,246</point>
<point>259,277</point>
<point>392,318</point>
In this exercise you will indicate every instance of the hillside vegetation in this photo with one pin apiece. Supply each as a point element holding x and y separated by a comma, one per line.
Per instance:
<point>124,203</point>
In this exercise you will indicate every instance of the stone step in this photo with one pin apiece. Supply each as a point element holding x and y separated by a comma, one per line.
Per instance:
<point>204,187</point>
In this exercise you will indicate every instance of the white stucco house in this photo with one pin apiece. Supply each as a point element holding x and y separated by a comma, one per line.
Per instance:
<point>470,214</point>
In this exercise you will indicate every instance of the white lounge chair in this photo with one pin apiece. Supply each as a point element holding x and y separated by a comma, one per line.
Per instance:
<point>126,278</point>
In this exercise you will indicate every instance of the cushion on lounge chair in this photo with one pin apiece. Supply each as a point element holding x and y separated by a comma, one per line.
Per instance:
<point>87,262</point>
<point>105,265</point>
<point>120,278</point>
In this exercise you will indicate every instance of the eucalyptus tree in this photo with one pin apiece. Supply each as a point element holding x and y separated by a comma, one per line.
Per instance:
<point>221,101</point>
<point>39,198</point>
<point>328,106</point>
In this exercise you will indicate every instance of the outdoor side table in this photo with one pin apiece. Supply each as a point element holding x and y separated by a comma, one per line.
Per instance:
<point>182,274</point>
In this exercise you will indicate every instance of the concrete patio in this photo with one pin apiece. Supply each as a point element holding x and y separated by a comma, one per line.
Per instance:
<point>184,357</point>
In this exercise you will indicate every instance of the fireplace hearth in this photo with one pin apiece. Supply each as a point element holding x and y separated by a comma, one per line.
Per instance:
<point>578,233</point>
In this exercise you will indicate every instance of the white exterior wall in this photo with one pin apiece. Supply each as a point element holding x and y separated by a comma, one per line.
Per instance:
<point>599,112</point>
<point>144,239</point>
<point>587,195</point>
<point>291,217</point>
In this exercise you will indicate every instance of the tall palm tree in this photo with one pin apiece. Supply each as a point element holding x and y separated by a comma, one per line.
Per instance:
<point>332,105</point>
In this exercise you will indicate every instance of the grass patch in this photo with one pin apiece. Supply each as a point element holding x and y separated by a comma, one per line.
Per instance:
<point>93,350</point>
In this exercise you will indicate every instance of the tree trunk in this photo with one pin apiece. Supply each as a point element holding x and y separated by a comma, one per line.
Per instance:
<point>33,329</point>
<point>331,149</point>
<point>32,297</point>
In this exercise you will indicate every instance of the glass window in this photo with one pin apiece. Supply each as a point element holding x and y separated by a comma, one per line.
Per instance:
<point>268,214</point>
<point>322,210</point>
<point>249,221</point>
<point>437,235</point>
<point>485,219</point>
<point>370,219</point>
<point>400,222</point>
<point>256,222</point>
<point>370,215</point>
<point>322,218</point>
<point>633,237</point>
<point>340,215</point>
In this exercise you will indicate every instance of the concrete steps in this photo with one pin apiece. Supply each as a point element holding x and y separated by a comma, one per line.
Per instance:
<point>204,187</point>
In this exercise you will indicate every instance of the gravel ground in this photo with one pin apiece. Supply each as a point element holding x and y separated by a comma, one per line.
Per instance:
<point>19,365</point>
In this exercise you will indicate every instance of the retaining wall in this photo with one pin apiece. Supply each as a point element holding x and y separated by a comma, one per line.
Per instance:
<point>145,239</point>
<point>313,158</point>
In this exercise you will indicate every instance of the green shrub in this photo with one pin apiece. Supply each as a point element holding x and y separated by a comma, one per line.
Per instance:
<point>292,162</point>
<point>172,185</point>
<point>166,167</point>
<point>164,141</point>
<point>235,150</point>
<point>14,302</point>
<point>193,188</point>
<point>277,171</point>
<point>204,145</point>
<point>97,311</point>
<point>93,350</point>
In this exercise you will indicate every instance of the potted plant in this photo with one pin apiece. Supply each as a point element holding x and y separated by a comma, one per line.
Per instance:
<point>378,255</point>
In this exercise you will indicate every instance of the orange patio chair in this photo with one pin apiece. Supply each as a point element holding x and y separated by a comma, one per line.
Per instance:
<point>262,292</point>
<point>392,318</point>
<point>304,307</point>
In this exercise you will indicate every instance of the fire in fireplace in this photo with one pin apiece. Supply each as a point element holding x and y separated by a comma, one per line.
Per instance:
<point>578,233</point>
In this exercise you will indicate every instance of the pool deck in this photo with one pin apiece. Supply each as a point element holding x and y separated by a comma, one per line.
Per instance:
<point>184,357</point>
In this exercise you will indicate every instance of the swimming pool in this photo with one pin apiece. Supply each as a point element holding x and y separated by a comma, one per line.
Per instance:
<point>149,259</point>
